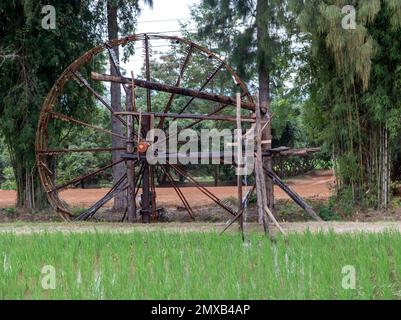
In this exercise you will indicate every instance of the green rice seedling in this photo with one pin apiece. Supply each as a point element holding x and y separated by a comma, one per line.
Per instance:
<point>162,265</point>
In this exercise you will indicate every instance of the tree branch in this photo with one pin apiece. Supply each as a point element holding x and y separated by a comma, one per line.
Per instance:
<point>7,55</point>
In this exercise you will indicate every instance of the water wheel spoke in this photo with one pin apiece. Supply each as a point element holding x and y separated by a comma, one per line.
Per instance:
<point>177,84</point>
<point>65,118</point>
<point>44,166</point>
<point>214,112</point>
<point>212,116</point>
<point>217,110</point>
<point>153,190</point>
<point>210,78</point>
<point>116,189</point>
<point>116,65</point>
<point>139,180</point>
<point>63,151</point>
<point>113,59</point>
<point>204,190</point>
<point>167,139</point>
<point>147,73</point>
<point>128,88</point>
<point>82,81</point>
<point>84,177</point>
<point>125,213</point>
<point>179,193</point>
<point>129,91</point>
<point>172,89</point>
<point>292,194</point>
<point>245,202</point>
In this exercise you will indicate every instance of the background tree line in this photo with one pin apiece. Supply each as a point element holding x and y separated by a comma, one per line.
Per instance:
<point>331,87</point>
<point>33,59</point>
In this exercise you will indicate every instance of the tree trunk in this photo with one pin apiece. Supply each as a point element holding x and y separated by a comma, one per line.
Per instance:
<point>216,175</point>
<point>260,180</point>
<point>264,89</point>
<point>115,93</point>
<point>30,194</point>
<point>384,176</point>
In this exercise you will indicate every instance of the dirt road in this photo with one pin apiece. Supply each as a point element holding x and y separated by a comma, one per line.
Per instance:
<point>298,227</point>
<point>312,186</point>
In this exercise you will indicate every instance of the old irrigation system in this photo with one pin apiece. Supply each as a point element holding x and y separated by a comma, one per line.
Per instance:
<point>198,97</point>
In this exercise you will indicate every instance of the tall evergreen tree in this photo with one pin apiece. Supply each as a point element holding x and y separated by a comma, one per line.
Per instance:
<point>118,18</point>
<point>34,59</point>
<point>255,37</point>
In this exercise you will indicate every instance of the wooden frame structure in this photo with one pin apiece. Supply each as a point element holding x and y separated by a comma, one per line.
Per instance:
<point>139,119</point>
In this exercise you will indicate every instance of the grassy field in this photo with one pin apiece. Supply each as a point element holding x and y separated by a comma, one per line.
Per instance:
<point>159,265</point>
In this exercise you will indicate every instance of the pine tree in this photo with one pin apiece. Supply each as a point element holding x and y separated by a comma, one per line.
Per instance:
<point>34,60</point>
<point>255,37</point>
<point>119,21</point>
<point>31,60</point>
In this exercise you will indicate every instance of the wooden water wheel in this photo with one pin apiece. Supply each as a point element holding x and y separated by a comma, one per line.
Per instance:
<point>159,92</point>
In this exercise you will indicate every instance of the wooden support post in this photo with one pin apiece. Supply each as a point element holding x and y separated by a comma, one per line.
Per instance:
<point>268,161</point>
<point>146,185</point>
<point>147,71</point>
<point>292,194</point>
<point>131,203</point>
<point>272,218</point>
<point>239,162</point>
<point>152,170</point>
<point>259,174</point>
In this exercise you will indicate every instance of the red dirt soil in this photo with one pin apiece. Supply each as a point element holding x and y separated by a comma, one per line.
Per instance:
<point>316,185</point>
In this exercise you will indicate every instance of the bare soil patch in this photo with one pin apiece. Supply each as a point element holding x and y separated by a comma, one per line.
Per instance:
<point>315,185</point>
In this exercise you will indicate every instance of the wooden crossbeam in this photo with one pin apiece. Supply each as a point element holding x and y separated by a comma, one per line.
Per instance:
<point>172,89</point>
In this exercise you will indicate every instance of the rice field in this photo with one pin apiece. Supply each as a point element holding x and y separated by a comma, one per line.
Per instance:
<point>161,265</point>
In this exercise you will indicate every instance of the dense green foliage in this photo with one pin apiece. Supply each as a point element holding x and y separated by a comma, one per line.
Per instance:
<point>330,86</point>
<point>163,265</point>
<point>32,58</point>
<point>7,180</point>
<point>233,34</point>
<point>36,57</point>
<point>258,41</point>
<point>353,107</point>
